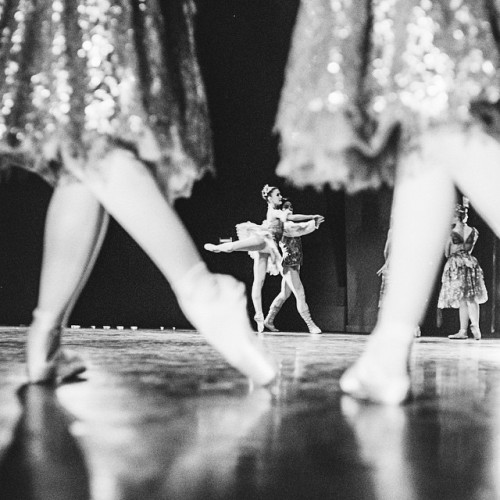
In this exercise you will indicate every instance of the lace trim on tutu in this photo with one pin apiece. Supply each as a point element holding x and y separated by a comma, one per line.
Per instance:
<point>248,229</point>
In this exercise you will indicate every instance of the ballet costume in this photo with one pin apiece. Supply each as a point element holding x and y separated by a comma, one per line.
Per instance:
<point>101,92</point>
<point>373,85</point>
<point>462,279</point>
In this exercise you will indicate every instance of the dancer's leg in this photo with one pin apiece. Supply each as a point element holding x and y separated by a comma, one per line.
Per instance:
<point>473,312</point>
<point>73,227</point>
<point>214,304</point>
<point>421,212</point>
<point>277,303</point>
<point>253,243</point>
<point>295,284</point>
<point>259,276</point>
<point>463,313</point>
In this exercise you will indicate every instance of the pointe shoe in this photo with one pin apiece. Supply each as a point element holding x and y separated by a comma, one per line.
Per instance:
<point>259,319</point>
<point>370,384</point>
<point>460,335</point>
<point>216,305</point>
<point>223,247</point>
<point>418,332</point>
<point>476,332</point>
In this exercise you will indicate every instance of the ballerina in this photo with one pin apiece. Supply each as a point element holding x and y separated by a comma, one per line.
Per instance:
<point>462,282</point>
<point>112,112</point>
<point>262,243</point>
<point>291,247</point>
<point>402,63</point>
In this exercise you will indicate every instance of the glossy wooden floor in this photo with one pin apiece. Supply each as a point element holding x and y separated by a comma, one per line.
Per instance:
<point>160,415</point>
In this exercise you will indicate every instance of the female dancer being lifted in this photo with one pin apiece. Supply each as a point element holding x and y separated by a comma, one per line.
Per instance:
<point>262,241</point>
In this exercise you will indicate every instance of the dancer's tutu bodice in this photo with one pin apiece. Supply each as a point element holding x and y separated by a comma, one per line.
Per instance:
<point>358,66</point>
<point>95,74</point>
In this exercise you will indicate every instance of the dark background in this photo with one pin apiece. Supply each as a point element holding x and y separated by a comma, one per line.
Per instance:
<point>242,48</point>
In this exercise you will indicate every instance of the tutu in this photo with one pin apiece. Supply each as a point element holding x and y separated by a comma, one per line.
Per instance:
<point>248,229</point>
<point>375,76</point>
<point>95,75</point>
<point>462,280</point>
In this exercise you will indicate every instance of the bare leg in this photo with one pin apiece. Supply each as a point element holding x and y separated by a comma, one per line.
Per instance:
<point>254,243</point>
<point>259,276</point>
<point>473,312</point>
<point>422,209</point>
<point>463,313</point>
<point>277,303</point>
<point>73,231</point>
<point>214,304</point>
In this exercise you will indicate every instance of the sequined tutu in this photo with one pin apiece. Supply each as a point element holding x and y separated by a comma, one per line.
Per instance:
<point>99,74</point>
<point>462,280</point>
<point>373,76</point>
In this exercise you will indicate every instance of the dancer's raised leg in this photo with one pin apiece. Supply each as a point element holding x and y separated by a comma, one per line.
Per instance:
<point>251,244</point>
<point>422,209</point>
<point>214,304</point>
<point>74,229</point>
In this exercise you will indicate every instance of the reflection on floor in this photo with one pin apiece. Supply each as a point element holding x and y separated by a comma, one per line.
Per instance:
<point>159,415</point>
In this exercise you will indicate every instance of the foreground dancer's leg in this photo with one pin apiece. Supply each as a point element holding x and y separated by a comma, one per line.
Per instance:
<point>74,230</point>
<point>214,304</point>
<point>422,210</point>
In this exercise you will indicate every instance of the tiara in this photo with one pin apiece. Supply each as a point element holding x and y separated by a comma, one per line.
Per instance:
<point>266,190</point>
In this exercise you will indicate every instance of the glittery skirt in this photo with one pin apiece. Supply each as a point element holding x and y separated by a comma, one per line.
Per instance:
<point>366,80</point>
<point>247,230</point>
<point>94,75</point>
<point>462,280</point>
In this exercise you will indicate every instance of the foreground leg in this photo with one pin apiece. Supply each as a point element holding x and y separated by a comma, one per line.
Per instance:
<point>421,209</point>
<point>214,304</point>
<point>74,228</point>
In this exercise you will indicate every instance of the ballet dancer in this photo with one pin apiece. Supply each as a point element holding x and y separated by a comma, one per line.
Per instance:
<point>111,111</point>
<point>410,65</point>
<point>291,248</point>
<point>262,243</point>
<point>462,282</point>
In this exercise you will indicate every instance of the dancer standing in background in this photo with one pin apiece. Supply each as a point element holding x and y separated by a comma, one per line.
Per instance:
<point>462,283</point>
<point>262,243</point>
<point>106,103</point>
<point>419,80</point>
<point>291,248</point>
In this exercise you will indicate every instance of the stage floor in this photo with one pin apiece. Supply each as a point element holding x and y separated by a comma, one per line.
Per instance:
<point>159,415</point>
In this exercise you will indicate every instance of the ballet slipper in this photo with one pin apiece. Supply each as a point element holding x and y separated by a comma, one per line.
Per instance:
<point>476,332</point>
<point>368,382</point>
<point>381,374</point>
<point>216,306</point>
<point>223,247</point>
<point>460,335</point>
<point>259,319</point>
<point>46,362</point>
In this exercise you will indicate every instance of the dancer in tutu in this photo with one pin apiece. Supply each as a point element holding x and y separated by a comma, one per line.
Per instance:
<point>422,79</point>
<point>262,243</point>
<point>291,248</point>
<point>463,285</point>
<point>106,103</point>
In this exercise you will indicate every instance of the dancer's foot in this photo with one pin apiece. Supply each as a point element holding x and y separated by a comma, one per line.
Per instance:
<point>259,319</point>
<point>270,326</point>
<point>476,332</point>
<point>381,373</point>
<point>223,247</point>
<point>460,335</point>
<point>46,362</point>
<point>216,305</point>
<point>418,332</point>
